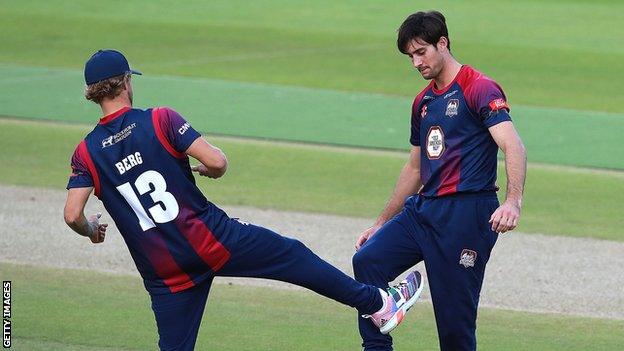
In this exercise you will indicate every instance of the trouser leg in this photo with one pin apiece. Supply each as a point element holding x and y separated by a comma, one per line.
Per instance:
<point>456,256</point>
<point>178,316</point>
<point>262,253</point>
<point>391,251</point>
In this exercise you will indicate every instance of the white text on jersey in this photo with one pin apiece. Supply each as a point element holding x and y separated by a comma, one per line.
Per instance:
<point>114,139</point>
<point>128,162</point>
<point>184,128</point>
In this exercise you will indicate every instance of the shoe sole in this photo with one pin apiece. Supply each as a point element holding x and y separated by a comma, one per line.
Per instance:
<point>398,317</point>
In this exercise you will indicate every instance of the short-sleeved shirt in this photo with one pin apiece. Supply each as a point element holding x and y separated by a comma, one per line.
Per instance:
<point>171,124</point>
<point>458,153</point>
<point>135,159</point>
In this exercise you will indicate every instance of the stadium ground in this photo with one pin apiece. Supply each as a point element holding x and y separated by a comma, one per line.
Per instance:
<point>537,50</point>
<point>327,73</point>
<point>320,116</point>
<point>582,279</point>
<point>583,276</point>
<point>558,200</point>
<point>80,310</point>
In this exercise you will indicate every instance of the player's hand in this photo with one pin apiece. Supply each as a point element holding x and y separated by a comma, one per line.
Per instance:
<point>203,171</point>
<point>367,234</point>
<point>98,230</point>
<point>506,217</point>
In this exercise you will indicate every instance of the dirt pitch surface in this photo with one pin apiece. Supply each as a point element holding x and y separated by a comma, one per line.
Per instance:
<point>536,273</point>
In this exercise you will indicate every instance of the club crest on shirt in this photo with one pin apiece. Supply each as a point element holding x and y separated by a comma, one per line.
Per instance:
<point>467,258</point>
<point>452,107</point>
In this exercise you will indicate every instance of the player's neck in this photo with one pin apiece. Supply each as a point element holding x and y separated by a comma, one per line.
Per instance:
<point>447,74</point>
<point>111,106</point>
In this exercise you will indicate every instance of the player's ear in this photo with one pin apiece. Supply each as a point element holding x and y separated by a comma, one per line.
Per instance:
<point>442,44</point>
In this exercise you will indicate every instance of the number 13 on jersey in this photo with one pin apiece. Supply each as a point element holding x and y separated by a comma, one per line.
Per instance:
<point>165,208</point>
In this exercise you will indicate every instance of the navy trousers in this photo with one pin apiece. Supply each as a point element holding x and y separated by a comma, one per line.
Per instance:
<point>260,253</point>
<point>452,235</point>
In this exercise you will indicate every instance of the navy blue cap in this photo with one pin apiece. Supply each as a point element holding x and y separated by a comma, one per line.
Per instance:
<point>105,64</point>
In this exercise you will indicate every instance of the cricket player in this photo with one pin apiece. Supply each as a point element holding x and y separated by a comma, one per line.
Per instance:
<point>136,161</point>
<point>444,209</point>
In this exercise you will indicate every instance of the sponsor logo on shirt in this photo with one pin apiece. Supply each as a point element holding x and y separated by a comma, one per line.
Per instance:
<point>452,107</point>
<point>435,143</point>
<point>241,221</point>
<point>76,173</point>
<point>467,258</point>
<point>114,139</point>
<point>450,94</point>
<point>184,128</point>
<point>498,104</point>
<point>107,142</point>
<point>423,111</point>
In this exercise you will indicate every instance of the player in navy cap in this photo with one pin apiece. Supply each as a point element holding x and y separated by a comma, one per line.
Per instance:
<point>106,64</point>
<point>444,209</point>
<point>136,161</point>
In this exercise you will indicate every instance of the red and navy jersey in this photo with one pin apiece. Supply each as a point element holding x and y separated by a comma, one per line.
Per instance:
<point>458,154</point>
<point>135,160</point>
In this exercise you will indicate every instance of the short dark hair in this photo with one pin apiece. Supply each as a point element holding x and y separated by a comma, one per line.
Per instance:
<point>427,26</point>
<point>106,89</point>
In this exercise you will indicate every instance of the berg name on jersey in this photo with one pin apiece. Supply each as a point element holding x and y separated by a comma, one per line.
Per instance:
<point>128,162</point>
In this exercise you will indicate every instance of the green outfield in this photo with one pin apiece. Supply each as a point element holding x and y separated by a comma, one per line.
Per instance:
<point>326,77</point>
<point>330,180</point>
<point>95,311</point>
<point>538,50</point>
<point>551,135</point>
<point>201,59</point>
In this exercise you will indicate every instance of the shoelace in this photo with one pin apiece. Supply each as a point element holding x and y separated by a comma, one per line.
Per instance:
<point>404,285</point>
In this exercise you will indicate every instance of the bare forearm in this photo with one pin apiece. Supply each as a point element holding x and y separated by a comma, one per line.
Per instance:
<point>407,184</point>
<point>515,166</point>
<point>80,225</point>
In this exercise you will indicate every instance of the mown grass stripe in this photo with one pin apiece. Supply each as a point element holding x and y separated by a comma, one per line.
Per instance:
<point>99,311</point>
<point>326,180</point>
<point>555,136</point>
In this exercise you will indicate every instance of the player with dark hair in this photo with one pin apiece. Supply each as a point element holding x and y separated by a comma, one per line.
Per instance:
<point>137,162</point>
<point>444,209</point>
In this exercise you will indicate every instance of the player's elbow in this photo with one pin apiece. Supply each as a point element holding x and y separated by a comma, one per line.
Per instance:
<point>220,165</point>
<point>513,146</point>
<point>72,217</point>
<point>217,165</point>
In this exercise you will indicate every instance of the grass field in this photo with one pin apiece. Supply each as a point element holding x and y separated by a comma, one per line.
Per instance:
<point>551,135</point>
<point>95,311</point>
<point>347,45</point>
<point>201,59</point>
<point>323,72</point>
<point>330,180</point>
